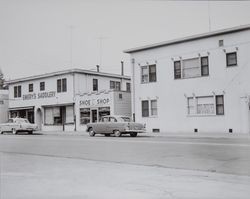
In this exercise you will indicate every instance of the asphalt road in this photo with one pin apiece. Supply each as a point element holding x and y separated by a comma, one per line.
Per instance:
<point>222,155</point>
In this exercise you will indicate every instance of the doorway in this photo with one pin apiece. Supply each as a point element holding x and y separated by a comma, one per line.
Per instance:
<point>94,117</point>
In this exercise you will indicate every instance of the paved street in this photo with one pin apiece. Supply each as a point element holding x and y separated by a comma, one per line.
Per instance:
<point>68,166</point>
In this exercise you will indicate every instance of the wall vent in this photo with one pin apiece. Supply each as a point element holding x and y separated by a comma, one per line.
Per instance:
<point>196,130</point>
<point>230,130</point>
<point>221,43</point>
<point>156,130</point>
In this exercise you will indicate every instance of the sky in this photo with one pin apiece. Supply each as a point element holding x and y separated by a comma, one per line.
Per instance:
<point>40,36</point>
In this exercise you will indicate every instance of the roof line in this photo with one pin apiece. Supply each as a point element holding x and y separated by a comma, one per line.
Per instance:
<point>189,38</point>
<point>68,71</point>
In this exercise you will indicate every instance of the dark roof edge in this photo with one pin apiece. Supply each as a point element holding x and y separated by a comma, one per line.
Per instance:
<point>68,71</point>
<point>190,38</point>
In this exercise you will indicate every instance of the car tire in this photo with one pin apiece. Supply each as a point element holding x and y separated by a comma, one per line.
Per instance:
<point>91,132</point>
<point>134,134</point>
<point>14,131</point>
<point>117,133</point>
<point>107,135</point>
<point>1,132</point>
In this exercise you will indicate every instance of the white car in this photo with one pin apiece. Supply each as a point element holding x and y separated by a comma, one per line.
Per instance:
<point>16,125</point>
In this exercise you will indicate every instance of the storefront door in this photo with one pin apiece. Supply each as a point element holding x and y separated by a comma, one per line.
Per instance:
<point>94,117</point>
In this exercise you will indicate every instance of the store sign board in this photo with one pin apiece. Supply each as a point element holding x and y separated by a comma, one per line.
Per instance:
<point>41,95</point>
<point>95,102</point>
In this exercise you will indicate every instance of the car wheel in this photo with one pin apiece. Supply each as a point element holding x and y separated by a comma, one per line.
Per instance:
<point>1,132</point>
<point>14,131</point>
<point>117,133</point>
<point>30,132</point>
<point>91,132</point>
<point>107,135</point>
<point>134,134</point>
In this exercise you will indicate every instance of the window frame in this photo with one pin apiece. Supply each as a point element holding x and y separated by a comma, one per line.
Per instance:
<point>220,105</point>
<point>204,66</point>
<point>177,76</point>
<point>31,87</point>
<point>143,109</point>
<point>17,91</point>
<point>149,77</point>
<point>42,86</point>
<point>95,84</point>
<point>227,58</point>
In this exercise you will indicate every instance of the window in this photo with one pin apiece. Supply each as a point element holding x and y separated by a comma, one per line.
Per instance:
<point>145,108</point>
<point>64,85</point>
<point>191,110</point>
<point>95,84</point>
<point>128,87</point>
<point>153,107</point>
<point>152,73</point>
<point>231,59</point>
<point>177,70</point>
<point>30,87</point>
<point>191,68</point>
<point>205,105</point>
<point>204,66</point>
<point>219,105</point>
<point>112,119</point>
<point>115,85</point>
<point>148,73</point>
<point>84,115</point>
<point>120,96</point>
<point>42,86</point>
<point>188,68</point>
<point>17,91</point>
<point>61,85</point>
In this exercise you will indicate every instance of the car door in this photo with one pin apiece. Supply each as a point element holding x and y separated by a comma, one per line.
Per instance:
<point>112,124</point>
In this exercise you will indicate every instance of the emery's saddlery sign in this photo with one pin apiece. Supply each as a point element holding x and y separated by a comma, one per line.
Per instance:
<point>41,95</point>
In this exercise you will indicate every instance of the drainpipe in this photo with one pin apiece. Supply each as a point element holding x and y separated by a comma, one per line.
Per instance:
<point>133,87</point>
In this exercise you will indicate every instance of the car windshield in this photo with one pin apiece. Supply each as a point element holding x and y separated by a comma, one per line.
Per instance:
<point>123,119</point>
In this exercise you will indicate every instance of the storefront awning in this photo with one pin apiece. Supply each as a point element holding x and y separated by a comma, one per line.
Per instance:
<point>57,105</point>
<point>21,108</point>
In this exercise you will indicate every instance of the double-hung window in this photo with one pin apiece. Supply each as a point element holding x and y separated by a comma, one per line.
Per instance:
<point>95,84</point>
<point>189,68</point>
<point>231,59</point>
<point>30,87</point>
<point>42,86</point>
<point>61,85</point>
<point>148,73</point>
<point>115,85</point>
<point>205,105</point>
<point>17,91</point>
<point>149,108</point>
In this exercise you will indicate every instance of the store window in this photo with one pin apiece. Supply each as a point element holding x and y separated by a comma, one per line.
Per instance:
<point>42,86</point>
<point>84,115</point>
<point>103,111</point>
<point>30,87</point>
<point>95,84</point>
<point>17,91</point>
<point>148,73</point>
<point>58,115</point>
<point>62,85</point>
<point>231,59</point>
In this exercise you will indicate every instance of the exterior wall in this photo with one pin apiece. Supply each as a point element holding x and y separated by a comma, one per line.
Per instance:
<point>79,89</point>
<point>122,106</point>
<point>232,82</point>
<point>4,106</point>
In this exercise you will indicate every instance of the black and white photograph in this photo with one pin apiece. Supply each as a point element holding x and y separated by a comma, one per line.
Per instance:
<point>124,99</point>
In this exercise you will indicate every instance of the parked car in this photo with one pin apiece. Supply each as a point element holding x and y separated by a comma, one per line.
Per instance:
<point>116,125</point>
<point>16,125</point>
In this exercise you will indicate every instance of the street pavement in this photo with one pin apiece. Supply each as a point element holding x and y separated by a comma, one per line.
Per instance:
<point>74,165</point>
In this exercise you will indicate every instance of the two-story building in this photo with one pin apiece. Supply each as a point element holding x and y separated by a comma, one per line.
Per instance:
<point>195,84</point>
<point>67,100</point>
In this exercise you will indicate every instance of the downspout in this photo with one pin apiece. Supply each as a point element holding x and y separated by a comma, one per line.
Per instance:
<point>133,87</point>
<point>74,98</point>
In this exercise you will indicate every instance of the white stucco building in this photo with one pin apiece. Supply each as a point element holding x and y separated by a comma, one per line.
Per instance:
<point>67,100</point>
<point>4,94</point>
<point>194,84</point>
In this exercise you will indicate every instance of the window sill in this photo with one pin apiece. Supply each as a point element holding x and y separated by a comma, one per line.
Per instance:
<point>203,76</point>
<point>148,82</point>
<point>208,115</point>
